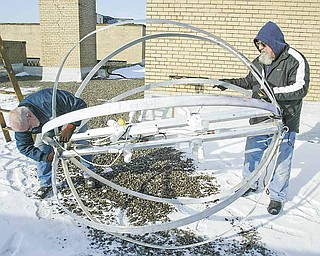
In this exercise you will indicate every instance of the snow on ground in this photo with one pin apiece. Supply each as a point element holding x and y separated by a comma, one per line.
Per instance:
<point>135,71</point>
<point>32,227</point>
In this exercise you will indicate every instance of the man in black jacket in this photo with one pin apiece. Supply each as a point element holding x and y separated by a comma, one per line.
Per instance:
<point>287,72</point>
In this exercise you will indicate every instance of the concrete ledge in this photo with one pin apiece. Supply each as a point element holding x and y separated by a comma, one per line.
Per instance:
<point>49,74</point>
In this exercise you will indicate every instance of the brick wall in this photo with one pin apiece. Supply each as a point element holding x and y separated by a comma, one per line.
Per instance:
<point>112,38</point>
<point>15,51</point>
<point>237,22</point>
<point>64,22</point>
<point>107,40</point>
<point>30,33</point>
<point>87,23</point>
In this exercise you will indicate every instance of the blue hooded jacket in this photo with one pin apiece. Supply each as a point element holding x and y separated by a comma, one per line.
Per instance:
<point>272,35</point>
<point>40,104</point>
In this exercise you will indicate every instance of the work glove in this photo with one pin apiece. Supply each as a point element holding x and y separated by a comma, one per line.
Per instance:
<point>259,93</point>
<point>221,87</point>
<point>50,157</point>
<point>67,133</point>
<point>262,94</point>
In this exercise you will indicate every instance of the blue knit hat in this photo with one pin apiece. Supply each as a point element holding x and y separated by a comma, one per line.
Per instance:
<point>272,35</point>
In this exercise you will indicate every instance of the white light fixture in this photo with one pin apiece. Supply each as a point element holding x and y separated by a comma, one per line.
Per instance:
<point>127,155</point>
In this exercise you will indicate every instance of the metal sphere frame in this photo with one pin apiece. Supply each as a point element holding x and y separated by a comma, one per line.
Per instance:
<point>118,105</point>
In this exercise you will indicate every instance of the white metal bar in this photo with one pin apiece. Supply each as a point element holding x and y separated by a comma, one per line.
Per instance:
<point>155,103</point>
<point>173,139</point>
<point>136,128</point>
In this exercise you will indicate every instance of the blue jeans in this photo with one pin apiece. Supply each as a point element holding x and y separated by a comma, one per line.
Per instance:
<point>255,147</point>
<point>45,168</point>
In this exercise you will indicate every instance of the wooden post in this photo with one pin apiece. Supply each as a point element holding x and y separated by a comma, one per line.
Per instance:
<point>8,67</point>
<point>17,91</point>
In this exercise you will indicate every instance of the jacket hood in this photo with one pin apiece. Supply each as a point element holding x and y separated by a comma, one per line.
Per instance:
<point>272,35</point>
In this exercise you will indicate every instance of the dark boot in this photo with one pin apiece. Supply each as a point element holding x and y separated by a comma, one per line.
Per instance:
<point>43,192</point>
<point>274,207</point>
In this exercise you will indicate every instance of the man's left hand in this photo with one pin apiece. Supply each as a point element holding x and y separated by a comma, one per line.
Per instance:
<point>50,157</point>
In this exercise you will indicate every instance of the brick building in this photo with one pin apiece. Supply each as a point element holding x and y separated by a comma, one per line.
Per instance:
<point>62,24</point>
<point>237,22</point>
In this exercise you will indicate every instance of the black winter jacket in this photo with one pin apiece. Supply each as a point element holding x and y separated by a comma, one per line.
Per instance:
<point>289,77</point>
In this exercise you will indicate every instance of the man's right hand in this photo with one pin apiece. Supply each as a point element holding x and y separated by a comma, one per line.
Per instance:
<point>67,133</point>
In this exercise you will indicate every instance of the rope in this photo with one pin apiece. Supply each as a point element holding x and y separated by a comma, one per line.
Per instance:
<point>284,131</point>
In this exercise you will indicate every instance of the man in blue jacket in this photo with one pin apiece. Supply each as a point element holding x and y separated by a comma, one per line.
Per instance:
<point>28,119</point>
<point>287,72</point>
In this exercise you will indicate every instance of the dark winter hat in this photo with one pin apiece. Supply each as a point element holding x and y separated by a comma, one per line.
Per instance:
<point>272,35</point>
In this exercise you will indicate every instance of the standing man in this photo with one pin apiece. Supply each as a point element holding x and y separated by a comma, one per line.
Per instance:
<point>30,116</point>
<point>287,72</point>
